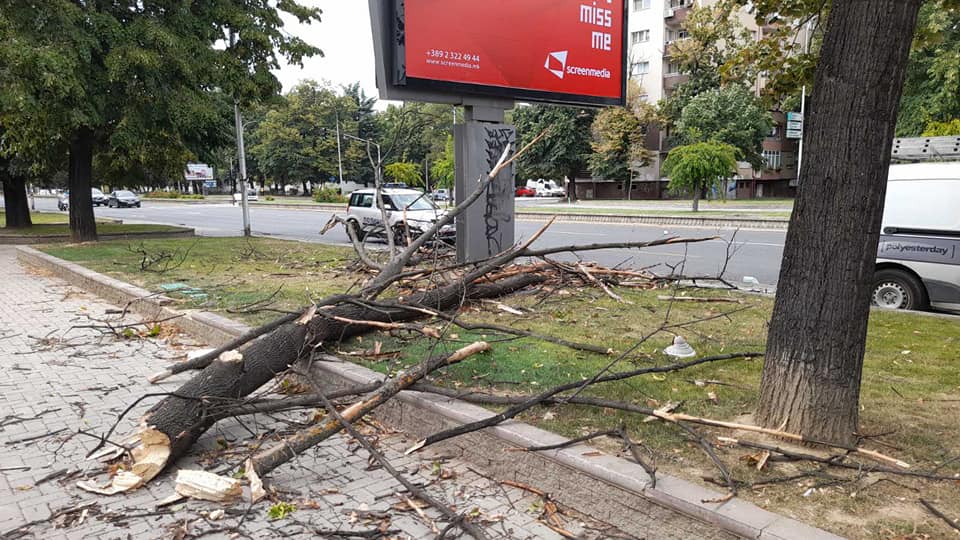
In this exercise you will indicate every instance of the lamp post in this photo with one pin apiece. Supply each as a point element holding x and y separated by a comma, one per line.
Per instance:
<point>241,157</point>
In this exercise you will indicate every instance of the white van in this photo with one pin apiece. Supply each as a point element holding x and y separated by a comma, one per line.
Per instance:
<point>918,259</point>
<point>546,188</point>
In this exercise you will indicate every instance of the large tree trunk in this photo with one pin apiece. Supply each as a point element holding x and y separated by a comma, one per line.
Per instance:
<point>83,224</point>
<point>15,202</point>
<point>815,346</point>
<point>184,417</point>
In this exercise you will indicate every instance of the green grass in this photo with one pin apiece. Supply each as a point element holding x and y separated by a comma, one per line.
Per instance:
<point>911,376</point>
<point>232,272</point>
<point>50,224</point>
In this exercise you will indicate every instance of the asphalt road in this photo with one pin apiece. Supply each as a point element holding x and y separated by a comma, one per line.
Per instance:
<point>754,253</point>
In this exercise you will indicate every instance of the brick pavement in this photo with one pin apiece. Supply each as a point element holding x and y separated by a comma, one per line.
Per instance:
<point>56,379</point>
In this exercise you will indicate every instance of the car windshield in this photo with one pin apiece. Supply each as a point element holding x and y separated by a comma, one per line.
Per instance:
<point>95,191</point>
<point>125,194</point>
<point>412,201</point>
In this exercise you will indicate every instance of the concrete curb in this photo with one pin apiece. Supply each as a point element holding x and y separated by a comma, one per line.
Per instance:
<point>59,238</point>
<point>611,489</point>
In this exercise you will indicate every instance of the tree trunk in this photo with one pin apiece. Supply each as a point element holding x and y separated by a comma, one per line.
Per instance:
<point>185,416</point>
<point>16,204</point>
<point>815,346</point>
<point>83,224</point>
<point>696,199</point>
<point>572,186</point>
<point>306,193</point>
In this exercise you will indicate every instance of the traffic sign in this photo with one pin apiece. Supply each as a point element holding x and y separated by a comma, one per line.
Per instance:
<point>795,133</point>
<point>794,117</point>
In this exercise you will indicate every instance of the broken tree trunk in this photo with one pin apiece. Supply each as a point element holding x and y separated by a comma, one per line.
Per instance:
<point>186,414</point>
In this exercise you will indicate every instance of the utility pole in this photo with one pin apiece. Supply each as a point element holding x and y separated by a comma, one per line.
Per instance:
<point>339,156</point>
<point>803,102</point>
<point>241,158</point>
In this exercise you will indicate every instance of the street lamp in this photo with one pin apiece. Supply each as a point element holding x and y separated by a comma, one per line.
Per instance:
<point>241,157</point>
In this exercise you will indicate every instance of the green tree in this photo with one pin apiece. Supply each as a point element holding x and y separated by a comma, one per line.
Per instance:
<point>942,129</point>
<point>137,79</point>
<point>695,167</point>
<point>619,134</point>
<point>931,92</point>
<point>565,149</point>
<point>403,171</point>
<point>729,115</point>
<point>443,171</point>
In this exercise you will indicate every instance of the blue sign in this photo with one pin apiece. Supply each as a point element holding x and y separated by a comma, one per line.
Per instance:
<point>209,183</point>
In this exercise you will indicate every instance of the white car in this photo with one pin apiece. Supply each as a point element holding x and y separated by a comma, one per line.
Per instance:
<point>408,212</point>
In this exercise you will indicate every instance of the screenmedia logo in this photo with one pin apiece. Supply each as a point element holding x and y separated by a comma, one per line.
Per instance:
<point>557,64</point>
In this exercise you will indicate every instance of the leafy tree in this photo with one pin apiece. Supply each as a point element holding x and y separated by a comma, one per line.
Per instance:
<point>932,89</point>
<point>618,137</point>
<point>942,129</point>
<point>134,78</point>
<point>443,171</point>
<point>715,37</point>
<point>698,166</point>
<point>402,171</point>
<point>564,150</point>
<point>415,132</point>
<point>730,115</point>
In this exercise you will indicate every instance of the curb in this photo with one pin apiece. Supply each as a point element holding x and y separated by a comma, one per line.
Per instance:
<point>611,489</point>
<point>59,238</point>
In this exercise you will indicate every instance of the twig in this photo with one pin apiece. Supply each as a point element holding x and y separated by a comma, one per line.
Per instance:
<point>933,510</point>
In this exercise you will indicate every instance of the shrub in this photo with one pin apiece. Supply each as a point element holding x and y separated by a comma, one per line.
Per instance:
<point>328,195</point>
<point>270,197</point>
<point>170,195</point>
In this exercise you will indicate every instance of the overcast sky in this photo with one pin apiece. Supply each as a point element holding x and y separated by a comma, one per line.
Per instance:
<point>344,37</point>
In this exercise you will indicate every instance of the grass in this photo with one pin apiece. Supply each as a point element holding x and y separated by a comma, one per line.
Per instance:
<point>232,272</point>
<point>53,224</point>
<point>911,376</point>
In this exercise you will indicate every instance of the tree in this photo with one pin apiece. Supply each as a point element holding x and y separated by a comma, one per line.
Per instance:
<point>133,77</point>
<point>402,171</point>
<point>619,134</point>
<point>443,168</point>
<point>942,129</point>
<point>16,205</point>
<point>816,340</point>
<point>730,115</point>
<point>931,92</point>
<point>698,166</point>
<point>564,151</point>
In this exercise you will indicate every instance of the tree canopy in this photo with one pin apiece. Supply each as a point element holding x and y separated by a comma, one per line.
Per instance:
<point>564,150</point>
<point>697,166</point>
<point>729,115</point>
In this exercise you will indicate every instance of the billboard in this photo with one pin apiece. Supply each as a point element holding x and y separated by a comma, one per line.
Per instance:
<point>561,51</point>
<point>198,171</point>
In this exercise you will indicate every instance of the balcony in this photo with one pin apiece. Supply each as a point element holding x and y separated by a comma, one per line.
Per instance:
<point>671,80</point>
<point>675,15</point>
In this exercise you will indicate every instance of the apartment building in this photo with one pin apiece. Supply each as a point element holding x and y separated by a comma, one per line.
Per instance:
<point>652,26</point>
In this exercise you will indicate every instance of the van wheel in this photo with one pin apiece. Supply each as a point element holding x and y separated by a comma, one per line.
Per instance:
<point>356,230</point>
<point>896,289</point>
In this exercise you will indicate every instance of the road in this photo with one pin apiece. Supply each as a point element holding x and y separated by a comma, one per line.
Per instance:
<point>755,253</point>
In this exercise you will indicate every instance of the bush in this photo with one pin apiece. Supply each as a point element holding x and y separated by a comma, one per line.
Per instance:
<point>270,197</point>
<point>170,195</point>
<point>328,195</point>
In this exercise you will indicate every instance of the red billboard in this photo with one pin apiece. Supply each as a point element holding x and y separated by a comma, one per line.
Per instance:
<point>568,51</point>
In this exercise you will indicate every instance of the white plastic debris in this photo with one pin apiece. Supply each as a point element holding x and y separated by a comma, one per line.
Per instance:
<point>680,348</point>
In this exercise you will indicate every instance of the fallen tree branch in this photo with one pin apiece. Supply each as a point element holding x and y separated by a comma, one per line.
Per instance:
<point>414,490</point>
<point>933,510</point>
<point>265,461</point>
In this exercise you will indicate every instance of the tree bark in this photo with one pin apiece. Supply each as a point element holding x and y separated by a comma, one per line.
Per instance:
<point>185,416</point>
<point>696,199</point>
<point>16,204</point>
<point>83,224</point>
<point>815,346</point>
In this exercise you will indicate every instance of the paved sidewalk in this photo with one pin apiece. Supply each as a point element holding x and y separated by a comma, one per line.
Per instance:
<point>57,378</point>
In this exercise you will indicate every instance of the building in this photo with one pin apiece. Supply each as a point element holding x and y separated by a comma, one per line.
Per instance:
<point>652,26</point>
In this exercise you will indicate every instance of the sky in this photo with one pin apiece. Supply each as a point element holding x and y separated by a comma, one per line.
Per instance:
<point>344,36</point>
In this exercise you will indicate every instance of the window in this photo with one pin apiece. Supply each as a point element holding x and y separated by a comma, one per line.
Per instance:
<point>672,68</point>
<point>363,200</point>
<point>641,4</point>
<point>774,131</point>
<point>639,68</point>
<point>640,36</point>
<point>773,159</point>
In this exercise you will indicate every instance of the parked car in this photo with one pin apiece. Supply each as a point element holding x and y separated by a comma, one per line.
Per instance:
<point>123,198</point>
<point>407,210</point>
<point>251,196</point>
<point>918,258</point>
<point>524,191</point>
<point>546,188</point>
<point>97,198</point>
<point>440,195</point>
